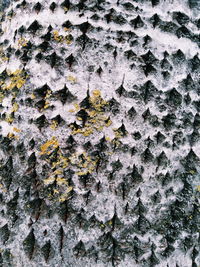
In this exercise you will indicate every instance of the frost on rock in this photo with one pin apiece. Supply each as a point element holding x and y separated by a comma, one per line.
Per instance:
<point>99,133</point>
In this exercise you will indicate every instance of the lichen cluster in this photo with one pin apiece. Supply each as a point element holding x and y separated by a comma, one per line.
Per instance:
<point>92,113</point>
<point>15,79</point>
<point>52,154</point>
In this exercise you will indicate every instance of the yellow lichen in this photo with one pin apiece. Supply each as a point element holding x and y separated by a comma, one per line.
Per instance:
<point>46,104</point>
<point>68,40</point>
<point>96,93</point>
<point>49,180</point>
<point>83,162</point>
<point>72,79</point>
<point>57,37</point>
<point>16,130</point>
<point>65,195</point>
<point>66,29</point>
<point>58,165</point>
<point>97,119</point>
<point>61,181</point>
<point>15,107</point>
<point>20,83</point>
<point>33,96</point>
<point>3,56</point>
<point>53,143</point>
<point>12,135</point>
<point>60,38</point>
<point>22,42</point>
<point>81,173</point>
<point>116,142</point>
<point>4,190</point>
<point>85,131</point>
<point>57,172</point>
<point>48,94</point>
<point>118,134</point>
<point>16,79</point>
<point>76,106</point>
<point>108,122</point>
<point>9,118</point>
<point>54,125</point>
<point>55,191</point>
<point>1,97</point>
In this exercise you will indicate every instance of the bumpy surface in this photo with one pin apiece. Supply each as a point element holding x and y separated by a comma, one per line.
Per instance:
<point>99,144</point>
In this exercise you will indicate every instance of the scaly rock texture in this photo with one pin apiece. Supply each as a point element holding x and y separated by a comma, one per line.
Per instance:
<point>100,133</point>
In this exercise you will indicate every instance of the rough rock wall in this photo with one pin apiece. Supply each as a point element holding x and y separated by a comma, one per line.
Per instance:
<point>99,145</point>
<point>4,4</point>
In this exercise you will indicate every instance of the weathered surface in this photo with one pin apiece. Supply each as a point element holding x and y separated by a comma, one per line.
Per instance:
<point>99,145</point>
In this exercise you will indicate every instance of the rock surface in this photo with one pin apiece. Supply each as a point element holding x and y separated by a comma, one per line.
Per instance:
<point>99,144</point>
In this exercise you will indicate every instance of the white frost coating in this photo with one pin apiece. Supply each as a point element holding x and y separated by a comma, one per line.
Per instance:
<point>111,78</point>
